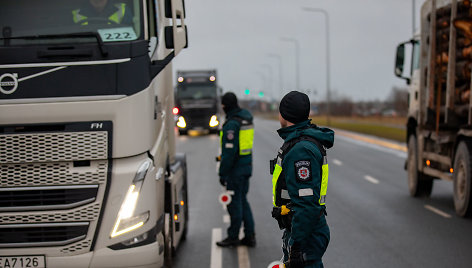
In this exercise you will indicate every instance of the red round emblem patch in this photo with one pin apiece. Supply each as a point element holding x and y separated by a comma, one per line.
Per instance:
<point>303,173</point>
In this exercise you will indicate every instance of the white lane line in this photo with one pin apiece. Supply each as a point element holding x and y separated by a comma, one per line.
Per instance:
<point>371,179</point>
<point>216,252</point>
<point>337,162</point>
<point>437,211</point>
<point>243,255</point>
<point>226,218</point>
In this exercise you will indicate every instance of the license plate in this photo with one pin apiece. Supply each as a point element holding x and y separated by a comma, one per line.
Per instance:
<point>22,262</point>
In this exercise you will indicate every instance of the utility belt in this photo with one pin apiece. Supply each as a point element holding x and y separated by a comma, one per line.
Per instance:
<point>284,215</point>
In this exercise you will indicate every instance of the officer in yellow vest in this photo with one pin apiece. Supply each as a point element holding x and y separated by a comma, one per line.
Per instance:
<point>300,181</point>
<point>236,140</point>
<point>102,12</point>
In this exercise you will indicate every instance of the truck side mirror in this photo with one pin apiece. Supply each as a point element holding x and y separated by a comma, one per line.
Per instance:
<point>176,35</point>
<point>400,62</point>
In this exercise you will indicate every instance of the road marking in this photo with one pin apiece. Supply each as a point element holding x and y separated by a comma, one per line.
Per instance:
<point>243,255</point>
<point>437,211</point>
<point>337,162</point>
<point>216,252</point>
<point>371,179</point>
<point>226,218</point>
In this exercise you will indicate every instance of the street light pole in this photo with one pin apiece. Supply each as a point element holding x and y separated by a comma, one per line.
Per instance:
<point>270,79</point>
<point>328,63</point>
<point>297,58</point>
<point>281,79</point>
<point>264,79</point>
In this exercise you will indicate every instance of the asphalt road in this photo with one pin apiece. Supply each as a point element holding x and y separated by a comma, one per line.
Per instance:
<point>373,220</point>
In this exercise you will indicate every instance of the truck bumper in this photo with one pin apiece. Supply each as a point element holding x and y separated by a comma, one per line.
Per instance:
<point>142,257</point>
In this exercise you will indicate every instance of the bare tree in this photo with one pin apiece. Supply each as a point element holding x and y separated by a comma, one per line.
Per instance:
<point>398,100</point>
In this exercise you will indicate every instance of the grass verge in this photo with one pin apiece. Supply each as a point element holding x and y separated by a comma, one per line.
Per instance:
<point>379,127</point>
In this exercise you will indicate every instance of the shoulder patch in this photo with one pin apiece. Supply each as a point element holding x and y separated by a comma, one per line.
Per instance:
<point>303,170</point>
<point>230,135</point>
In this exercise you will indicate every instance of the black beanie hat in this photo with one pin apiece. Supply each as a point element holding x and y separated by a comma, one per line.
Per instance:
<point>295,107</point>
<point>230,101</point>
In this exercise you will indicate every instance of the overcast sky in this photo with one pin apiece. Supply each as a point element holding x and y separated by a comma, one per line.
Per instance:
<point>235,37</point>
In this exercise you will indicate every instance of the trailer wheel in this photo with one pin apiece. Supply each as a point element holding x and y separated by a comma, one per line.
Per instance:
<point>462,180</point>
<point>419,184</point>
<point>168,243</point>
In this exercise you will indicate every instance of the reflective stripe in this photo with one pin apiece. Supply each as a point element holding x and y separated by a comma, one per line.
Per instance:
<point>116,17</point>
<point>245,152</point>
<point>324,183</point>
<point>284,194</point>
<point>77,17</point>
<point>323,199</point>
<point>305,192</point>
<point>279,161</point>
<point>246,138</point>
<point>275,178</point>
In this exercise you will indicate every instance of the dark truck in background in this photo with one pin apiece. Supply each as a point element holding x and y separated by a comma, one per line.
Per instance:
<point>197,101</point>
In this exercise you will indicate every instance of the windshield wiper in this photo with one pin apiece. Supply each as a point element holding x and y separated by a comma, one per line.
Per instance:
<point>103,49</point>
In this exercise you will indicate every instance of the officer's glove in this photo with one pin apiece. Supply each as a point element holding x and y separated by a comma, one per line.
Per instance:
<point>223,181</point>
<point>295,257</point>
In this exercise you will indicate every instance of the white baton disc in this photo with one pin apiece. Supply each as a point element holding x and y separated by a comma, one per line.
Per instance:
<point>276,264</point>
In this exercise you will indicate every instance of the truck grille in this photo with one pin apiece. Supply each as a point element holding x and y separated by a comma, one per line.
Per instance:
<point>34,235</point>
<point>52,186</point>
<point>53,147</point>
<point>34,174</point>
<point>46,198</point>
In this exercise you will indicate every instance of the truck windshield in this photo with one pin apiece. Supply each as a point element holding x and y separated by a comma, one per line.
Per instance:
<point>196,92</point>
<point>113,20</point>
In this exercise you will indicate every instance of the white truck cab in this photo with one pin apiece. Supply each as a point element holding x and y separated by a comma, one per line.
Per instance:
<point>89,176</point>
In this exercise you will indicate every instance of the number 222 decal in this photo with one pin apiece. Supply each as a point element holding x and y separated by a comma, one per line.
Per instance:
<point>117,34</point>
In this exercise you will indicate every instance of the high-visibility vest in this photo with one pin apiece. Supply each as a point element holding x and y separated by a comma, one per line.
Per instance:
<point>279,186</point>
<point>116,17</point>
<point>246,136</point>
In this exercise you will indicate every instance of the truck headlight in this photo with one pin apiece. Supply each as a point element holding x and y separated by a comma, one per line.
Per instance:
<point>214,121</point>
<point>126,220</point>
<point>181,122</point>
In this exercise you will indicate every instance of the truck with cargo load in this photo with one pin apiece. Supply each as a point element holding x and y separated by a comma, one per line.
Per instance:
<point>89,176</point>
<point>197,101</point>
<point>439,126</point>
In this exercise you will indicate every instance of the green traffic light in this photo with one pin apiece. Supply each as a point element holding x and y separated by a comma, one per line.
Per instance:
<point>247,91</point>
<point>261,94</point>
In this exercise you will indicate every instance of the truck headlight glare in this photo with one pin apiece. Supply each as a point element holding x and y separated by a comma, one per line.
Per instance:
<point>214,121</point>
<point>123,226</point>
<point>181,122</point>
<point>126,220</point>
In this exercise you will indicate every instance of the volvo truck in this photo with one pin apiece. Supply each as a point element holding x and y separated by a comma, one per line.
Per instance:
<point>198,101</point>
<point>89,176</point>
<point>436,64</point>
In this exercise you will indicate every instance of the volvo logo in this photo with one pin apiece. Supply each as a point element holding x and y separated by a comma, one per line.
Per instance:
<point>8,83</point>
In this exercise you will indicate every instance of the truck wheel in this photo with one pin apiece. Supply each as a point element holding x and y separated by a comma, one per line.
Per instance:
<point>168,244</point>
<point>183,160</point>
<point>419,184</point>
<point>462,180</point>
